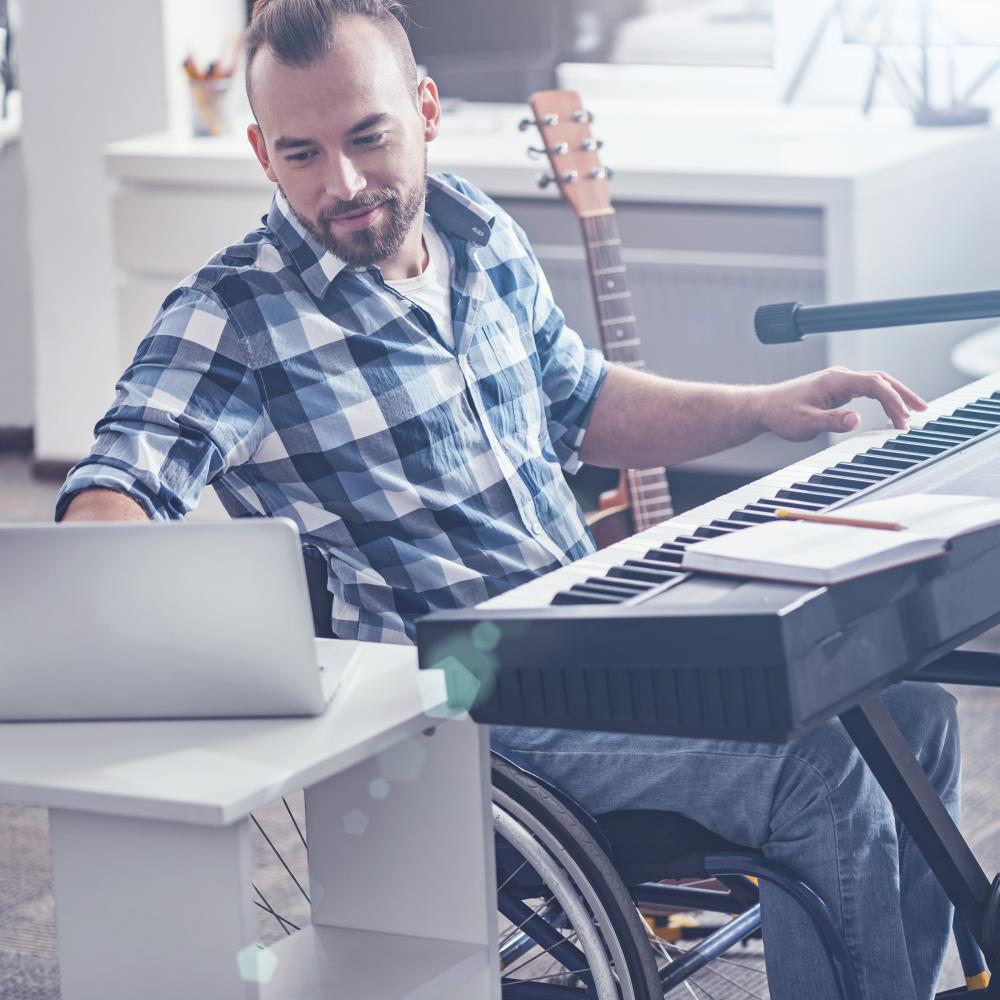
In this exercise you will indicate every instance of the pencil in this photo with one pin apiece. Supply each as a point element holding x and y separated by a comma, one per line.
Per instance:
<point>850,522</point>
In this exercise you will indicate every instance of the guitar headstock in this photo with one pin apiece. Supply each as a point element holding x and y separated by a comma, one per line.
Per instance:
<point>572,150</point>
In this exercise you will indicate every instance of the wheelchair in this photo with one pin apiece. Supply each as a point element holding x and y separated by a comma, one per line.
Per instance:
<point>598,907</point>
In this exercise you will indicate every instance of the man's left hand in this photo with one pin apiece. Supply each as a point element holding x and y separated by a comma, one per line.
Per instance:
<point>801,408</point>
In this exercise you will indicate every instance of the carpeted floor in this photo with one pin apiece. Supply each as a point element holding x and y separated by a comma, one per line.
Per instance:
<point>28,967</point>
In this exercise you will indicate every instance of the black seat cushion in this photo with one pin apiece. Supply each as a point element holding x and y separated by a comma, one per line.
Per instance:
<point>647,844</point>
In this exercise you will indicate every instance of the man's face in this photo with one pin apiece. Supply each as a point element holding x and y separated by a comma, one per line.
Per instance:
<point>345,140</point>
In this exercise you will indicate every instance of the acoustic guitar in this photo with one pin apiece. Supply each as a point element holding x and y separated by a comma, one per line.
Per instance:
<point>642,497</point>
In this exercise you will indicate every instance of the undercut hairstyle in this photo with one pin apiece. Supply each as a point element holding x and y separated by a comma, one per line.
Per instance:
<point>301,32</point>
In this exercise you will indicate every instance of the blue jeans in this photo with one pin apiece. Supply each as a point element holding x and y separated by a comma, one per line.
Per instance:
<point>811,804</point>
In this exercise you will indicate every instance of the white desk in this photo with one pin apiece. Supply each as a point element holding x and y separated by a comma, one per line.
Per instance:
<point>151,850</point>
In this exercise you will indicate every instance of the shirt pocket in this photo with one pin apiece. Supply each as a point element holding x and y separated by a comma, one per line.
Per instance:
<point>508,376</point>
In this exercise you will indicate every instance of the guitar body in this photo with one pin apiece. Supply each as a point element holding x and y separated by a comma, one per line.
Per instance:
<point>612,521</point>
<point>642,497</point>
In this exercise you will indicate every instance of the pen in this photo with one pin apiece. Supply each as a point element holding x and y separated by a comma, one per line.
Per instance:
<point>850,522</point>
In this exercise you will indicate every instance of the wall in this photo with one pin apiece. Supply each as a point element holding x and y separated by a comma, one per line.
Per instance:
<point>837,75</point>
<point>91,73</point>
<point>16,396</point>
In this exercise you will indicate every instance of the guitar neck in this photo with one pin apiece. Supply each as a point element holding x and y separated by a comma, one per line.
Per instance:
<point>648,492</point>
<point>612,298</point>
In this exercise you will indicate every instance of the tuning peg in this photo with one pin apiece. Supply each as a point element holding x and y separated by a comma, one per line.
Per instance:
<point>583,115</point>
<point>534,152</point>
<point>601,174</point>
<point>525,123</point>
<point>591,145</point>
<point>560,148</point>
<point>544,180</point>
<point>570,176</point>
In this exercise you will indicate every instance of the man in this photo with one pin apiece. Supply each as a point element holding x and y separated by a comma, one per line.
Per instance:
<point>383,363</point>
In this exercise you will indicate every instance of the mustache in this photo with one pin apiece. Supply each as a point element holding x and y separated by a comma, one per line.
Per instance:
<point>358,204</point>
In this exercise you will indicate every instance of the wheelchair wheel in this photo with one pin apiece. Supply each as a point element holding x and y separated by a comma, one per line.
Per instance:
<point>568,926</point>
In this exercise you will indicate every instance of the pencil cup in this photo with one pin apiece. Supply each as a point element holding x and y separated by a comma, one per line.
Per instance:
<point>208,110</point>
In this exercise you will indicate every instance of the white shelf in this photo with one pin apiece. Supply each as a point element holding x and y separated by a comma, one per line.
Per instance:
<point>318,963</point>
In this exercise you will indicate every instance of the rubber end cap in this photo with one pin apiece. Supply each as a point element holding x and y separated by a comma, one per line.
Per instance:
<point>775,324</point>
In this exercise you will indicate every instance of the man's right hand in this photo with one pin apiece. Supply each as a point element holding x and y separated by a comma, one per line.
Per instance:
<point>96,504</point>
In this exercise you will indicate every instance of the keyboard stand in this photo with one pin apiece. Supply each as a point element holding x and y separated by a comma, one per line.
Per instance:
<point>920,809</point>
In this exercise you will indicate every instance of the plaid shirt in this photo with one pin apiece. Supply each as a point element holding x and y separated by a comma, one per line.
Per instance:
<point>300,387</point>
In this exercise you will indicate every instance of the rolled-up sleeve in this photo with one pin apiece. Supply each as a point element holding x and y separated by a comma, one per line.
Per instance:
<point>187,409</point>
<point>572,376</point>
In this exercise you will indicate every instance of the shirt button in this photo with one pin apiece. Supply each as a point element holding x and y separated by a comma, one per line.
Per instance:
<point>537,529</point>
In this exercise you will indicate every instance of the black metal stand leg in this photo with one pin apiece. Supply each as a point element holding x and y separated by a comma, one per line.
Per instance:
<point>921,811</point>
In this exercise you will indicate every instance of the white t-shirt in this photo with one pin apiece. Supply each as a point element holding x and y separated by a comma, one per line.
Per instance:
<point>432,289</point>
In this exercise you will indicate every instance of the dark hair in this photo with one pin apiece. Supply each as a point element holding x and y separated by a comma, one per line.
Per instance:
<point>300,32</point>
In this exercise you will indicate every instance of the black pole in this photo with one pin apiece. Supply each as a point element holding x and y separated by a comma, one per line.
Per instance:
<point>785,322</point>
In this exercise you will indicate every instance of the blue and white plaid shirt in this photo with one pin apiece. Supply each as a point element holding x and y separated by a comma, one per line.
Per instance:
<point>298,386</point>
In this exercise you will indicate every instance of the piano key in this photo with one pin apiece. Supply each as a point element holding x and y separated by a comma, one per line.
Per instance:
<point>962,420</point>
<point>624,586</point>
<point>774,503</point>
<point>915,447</point>
<point>575,597</point>
<point>990,415</point>
<point>669,558</point>
<point>633,569</point>
<point>753,516</point>
<point>608,589</point>
<point>814,494</point>
<point>984,406</point>
<point>711,531</point>
<point>853,483</point>
<point>950,429</point>
<point>871,472</point>
<point>886,459</point>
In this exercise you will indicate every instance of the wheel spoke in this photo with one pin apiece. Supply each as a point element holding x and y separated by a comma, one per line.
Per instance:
<point>277,854</point>
<point>291,816</point>
<point>268,908</point>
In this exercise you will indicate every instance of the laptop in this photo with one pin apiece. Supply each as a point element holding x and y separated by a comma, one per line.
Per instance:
<point>159,621</point>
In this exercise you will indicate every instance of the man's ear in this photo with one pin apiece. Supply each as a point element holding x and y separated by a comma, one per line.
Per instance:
<point>429,106</point>
<point>256,138</point>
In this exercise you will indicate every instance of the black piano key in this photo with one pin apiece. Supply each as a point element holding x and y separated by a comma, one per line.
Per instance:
<point>830,488</point>
<point>811,494</point>
<point>986,404</point>
<point>963,420</point>
<point>886,459</point>
<point>853,483</point>
<point>729,525</point>
<point>919,434</point>
<point>987,414</point>
<point>951,429</point>
<point>672,547</point>
<point>753,516</point>
<point>773,503</point>
<point>640,569</point>
<point>909,447</point>
<point>709,531</point>
<point>869,472</point>
<point>626,586</point>
<point>574,596</point>
<point>688,539</point>
<point>609,588</point>
<point>658,555</point>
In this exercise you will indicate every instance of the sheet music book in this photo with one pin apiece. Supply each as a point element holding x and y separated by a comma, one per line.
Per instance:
<point>807,552</point>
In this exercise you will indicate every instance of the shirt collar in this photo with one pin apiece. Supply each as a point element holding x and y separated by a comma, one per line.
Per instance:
<point>449,208</point>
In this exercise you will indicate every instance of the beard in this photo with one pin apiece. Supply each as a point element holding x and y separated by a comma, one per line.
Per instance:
<point>382,239</point>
